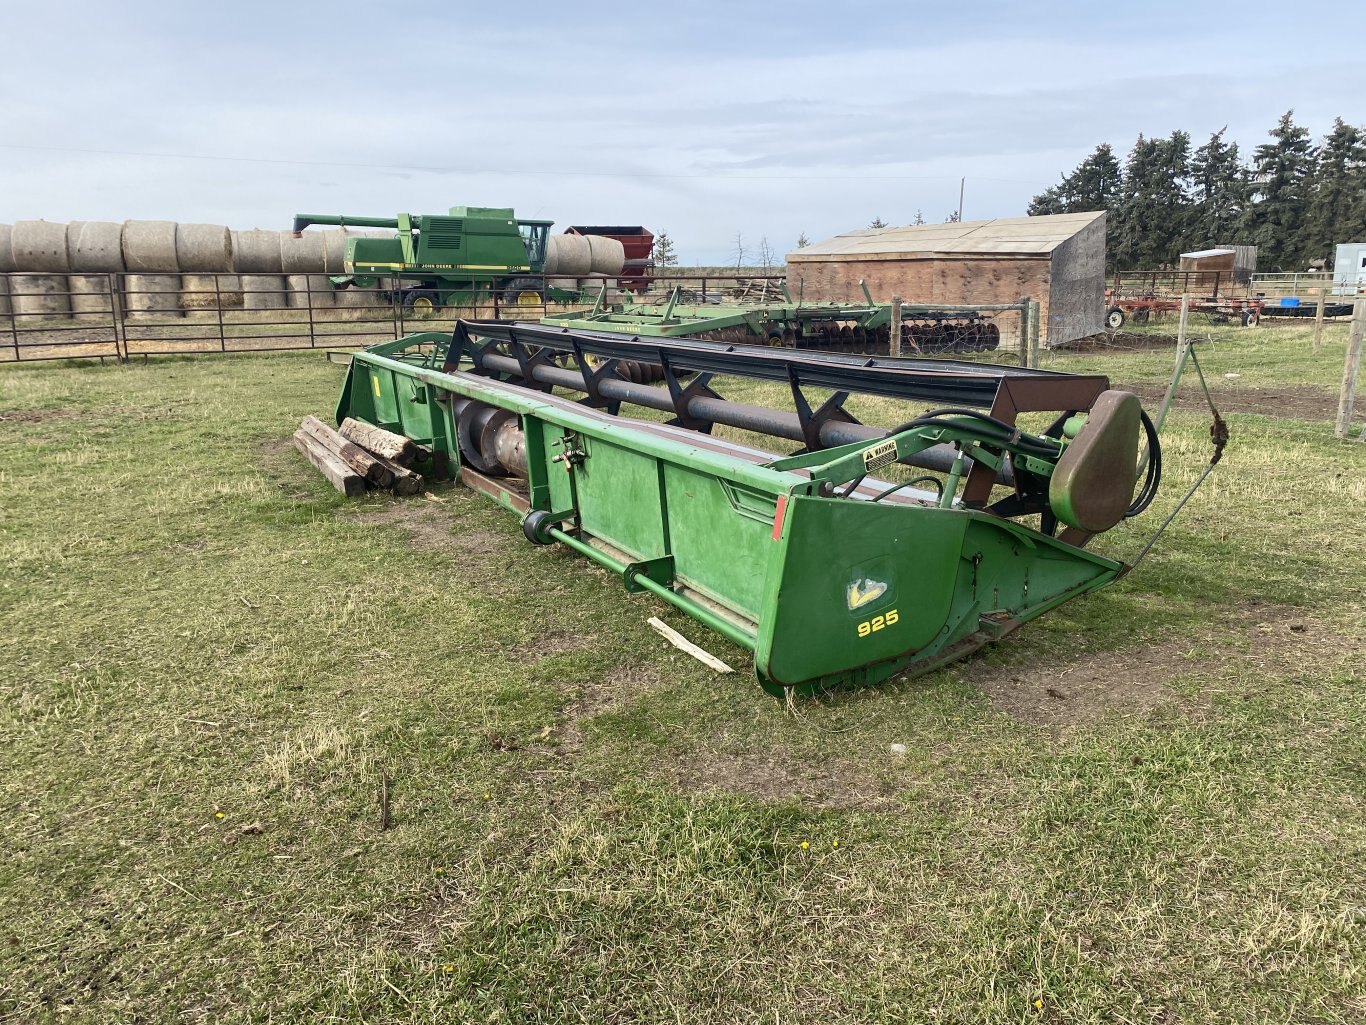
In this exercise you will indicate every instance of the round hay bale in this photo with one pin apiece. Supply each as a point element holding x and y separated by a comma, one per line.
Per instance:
<point>256,252</point>
<point>608,255</point>
<point>4,295</point>
<point>149,247</point>
<point>568,256</point>
<point>6,248</point>
<point>98,247</point>
<point>151,296</point>
<point>263,292</point>
<point>40,246</point>
<point>568,284</point>
<point>90,294</point>
<point>334,250</point>
<point>302,255</point>
<point>39,295</point>
<point>203,248</point>
<point>310,291</point>
<point>200,292</point>
<point>73,233</point>
<point>353,298</point>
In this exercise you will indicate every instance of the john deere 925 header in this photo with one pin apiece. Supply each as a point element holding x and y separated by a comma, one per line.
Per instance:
<point>835,565</point>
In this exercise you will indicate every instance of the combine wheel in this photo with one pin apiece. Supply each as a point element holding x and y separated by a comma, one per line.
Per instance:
<point>524,292</point>
<point>1114,319</point>
<point>421,303</point>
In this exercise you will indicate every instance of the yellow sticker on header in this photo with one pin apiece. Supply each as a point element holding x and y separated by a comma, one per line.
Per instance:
<point>375,382</point>
<point>883,454</point>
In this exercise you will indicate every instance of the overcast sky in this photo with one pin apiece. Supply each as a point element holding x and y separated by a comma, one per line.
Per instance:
<point>700,119</point>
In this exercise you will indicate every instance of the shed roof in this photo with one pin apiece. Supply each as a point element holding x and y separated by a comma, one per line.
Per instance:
<point>1200,254</point>
<point>1028,236</point>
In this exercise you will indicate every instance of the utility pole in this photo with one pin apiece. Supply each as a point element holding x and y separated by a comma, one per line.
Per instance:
<point>961,182</point>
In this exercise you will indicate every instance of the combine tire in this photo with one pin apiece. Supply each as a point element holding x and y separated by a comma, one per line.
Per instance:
<point>421,303</point>
<point>524,292</point>
<point>1114,319</point>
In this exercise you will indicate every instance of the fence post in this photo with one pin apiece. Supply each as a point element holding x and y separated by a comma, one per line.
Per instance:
<point>1024,325</point>
<point>218,307</point>
<point>1181,346</point>
<point>13,326</point>
<point>118,311</point>
<point>308,296</point>
<point>1035,313</point>
<point>1318,321</point>
<point>1351,367</point>
<point>894,332</point>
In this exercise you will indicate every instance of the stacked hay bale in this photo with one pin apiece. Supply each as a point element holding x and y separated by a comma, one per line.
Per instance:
<point>39,248</point>
<point>256,258</point>
<point>205,252</point>
<point>90,292</point>
<point>300,259</point>
<point>6,265</point>
<point>149,250</point>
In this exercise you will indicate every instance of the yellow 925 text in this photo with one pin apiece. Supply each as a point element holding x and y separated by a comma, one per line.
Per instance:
<point>872,626</point>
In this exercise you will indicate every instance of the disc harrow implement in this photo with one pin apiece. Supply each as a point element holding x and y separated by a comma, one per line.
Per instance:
<point>860,554</point>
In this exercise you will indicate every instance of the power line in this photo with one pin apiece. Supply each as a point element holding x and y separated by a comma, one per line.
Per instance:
<point>500,171</point>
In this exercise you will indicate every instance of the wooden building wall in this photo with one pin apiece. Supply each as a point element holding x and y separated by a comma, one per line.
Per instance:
<point>1069,283</point>
<point>930,278</point>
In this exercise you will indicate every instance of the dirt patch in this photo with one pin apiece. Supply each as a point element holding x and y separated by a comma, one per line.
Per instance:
<point>429,527</point>
<point>559,642</point>
<point>1264,639</point>
<point>770,778</point>
<point>618,688</point>
<point>281,460</point>
<point>1089,689</point>
<point>1118,342</point>
<point>34,416</point>
<point>1291,401</point>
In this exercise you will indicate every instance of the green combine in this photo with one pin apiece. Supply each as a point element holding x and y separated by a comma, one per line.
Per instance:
<point>864,555</point>
<point>471,254</point>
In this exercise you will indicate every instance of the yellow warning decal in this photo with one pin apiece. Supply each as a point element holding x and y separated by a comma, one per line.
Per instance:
<point>883,454</point>
<point>375,382</point>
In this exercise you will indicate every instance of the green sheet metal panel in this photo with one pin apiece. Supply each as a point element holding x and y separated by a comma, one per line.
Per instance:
<point>620,499</point>
<point>720,533</point>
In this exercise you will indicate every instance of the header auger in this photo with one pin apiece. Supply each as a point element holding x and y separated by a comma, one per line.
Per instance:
<point>866,554</point>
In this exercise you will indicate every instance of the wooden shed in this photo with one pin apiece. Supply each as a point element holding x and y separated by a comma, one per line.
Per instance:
<point>1234,264</point>
<point>1057,259</point>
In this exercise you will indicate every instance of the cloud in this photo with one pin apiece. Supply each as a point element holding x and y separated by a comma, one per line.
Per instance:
<point>704,121</point>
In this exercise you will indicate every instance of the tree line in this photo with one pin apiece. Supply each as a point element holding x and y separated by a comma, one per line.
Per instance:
<point>1293,200</point>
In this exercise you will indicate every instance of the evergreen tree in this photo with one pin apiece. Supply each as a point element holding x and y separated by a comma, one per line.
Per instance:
<point>1219,192</point>
<point>878,222</point>
<point>1281,172</point>
<point>803,241</point>
<point>664,254</point>
<point>1153,207</point>
<point>1337,202</point>
<point>1092,185</point>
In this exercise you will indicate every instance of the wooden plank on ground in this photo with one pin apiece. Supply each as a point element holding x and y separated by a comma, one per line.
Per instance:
<point>331,465</point>
<point>683,644</point>
<point>384,443</point>
<point>368,466</point>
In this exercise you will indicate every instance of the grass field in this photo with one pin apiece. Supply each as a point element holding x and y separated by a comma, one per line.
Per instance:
<point>1148,807</point>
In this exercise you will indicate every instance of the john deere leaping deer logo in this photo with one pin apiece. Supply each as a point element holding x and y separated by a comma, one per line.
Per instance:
<point>863,591</point>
